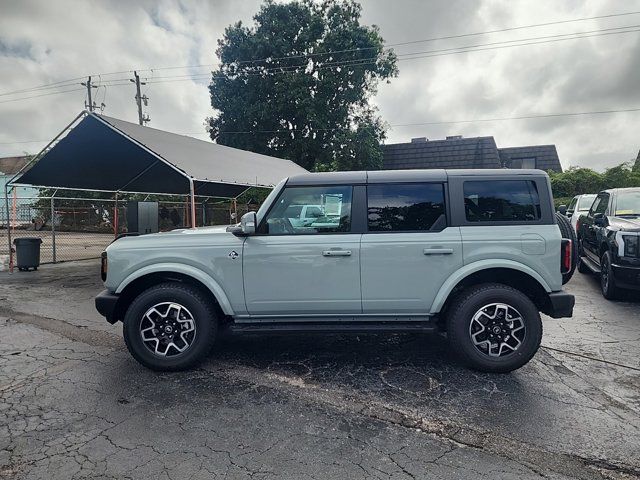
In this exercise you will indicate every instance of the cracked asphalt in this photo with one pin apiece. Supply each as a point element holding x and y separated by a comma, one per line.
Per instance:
<point>74,404</point>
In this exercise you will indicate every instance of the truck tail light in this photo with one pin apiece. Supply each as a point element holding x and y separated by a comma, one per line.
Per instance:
<point>566,257</point>
<point>104,266</point>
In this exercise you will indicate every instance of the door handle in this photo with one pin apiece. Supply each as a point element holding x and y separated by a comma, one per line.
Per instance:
<point>336,253</point>
<point>437,251</point>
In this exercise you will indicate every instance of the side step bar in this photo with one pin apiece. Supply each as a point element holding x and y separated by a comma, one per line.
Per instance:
<point>589,263</point>
<point>332,327</point>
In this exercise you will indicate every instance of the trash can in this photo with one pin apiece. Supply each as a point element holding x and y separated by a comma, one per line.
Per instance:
<point>27,253</point>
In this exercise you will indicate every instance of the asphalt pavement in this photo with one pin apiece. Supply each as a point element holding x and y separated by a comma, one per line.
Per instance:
<point>74,404</point>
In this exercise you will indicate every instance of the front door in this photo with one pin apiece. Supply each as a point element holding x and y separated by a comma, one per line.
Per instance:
<point>304,260</point>
<point>408,251</point>
<point>590,240</point>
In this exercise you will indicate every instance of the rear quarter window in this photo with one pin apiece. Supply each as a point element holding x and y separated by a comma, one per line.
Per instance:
<point>501,201</point>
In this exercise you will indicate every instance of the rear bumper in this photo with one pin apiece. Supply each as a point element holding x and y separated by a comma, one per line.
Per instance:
<point>106,303</point>
<point>626,277</point>
<point>560,305</point>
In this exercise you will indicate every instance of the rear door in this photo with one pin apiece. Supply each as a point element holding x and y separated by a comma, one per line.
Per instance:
<point>408,250</point>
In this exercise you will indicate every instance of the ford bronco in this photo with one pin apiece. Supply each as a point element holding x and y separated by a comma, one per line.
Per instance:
<point>475,254</point>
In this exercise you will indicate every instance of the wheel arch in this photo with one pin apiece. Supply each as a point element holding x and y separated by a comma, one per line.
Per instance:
<point>152,275</point>
<point>508,272</point>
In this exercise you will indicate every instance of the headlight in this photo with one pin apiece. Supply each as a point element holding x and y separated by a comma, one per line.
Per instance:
<point>631,244</point>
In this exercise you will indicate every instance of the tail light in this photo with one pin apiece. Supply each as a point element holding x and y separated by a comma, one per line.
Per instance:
<point>566,256</point>
<point>104,266</point>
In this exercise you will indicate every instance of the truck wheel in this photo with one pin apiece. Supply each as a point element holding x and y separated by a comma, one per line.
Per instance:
<point>494,328</point>
<point>170,327</point>
<point>607,282</point>
<point>566,230</point>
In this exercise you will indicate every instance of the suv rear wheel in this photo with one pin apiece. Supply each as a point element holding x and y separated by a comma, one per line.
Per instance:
<point>170,327</point>
<point>494,328</point>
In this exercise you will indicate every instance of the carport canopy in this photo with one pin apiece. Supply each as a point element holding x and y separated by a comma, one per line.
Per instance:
<point>101,153</point>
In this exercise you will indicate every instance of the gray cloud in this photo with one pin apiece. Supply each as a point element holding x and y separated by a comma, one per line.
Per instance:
<point>42,42</point>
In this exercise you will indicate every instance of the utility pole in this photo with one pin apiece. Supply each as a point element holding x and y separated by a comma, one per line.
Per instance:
<point>142,119</point>
<point>89,105</point>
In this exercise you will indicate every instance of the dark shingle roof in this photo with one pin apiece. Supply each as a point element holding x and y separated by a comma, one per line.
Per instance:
<point>546,156</point>
<point>479,152</point>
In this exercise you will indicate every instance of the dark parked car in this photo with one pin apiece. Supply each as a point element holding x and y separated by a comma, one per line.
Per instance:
<point>609,240</point>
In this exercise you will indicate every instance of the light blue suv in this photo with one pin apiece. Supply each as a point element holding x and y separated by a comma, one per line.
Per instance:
<point>476,254</point>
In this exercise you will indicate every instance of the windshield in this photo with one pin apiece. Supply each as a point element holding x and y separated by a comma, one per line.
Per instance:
<point>628,203</point>
<point>585,202</point>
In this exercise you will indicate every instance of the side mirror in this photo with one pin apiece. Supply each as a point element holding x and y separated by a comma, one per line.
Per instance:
<point>248,223</point>
<point>562,209</point>
<point>598,219</point>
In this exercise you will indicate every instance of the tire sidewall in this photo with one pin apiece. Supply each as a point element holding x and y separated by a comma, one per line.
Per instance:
<point>204,320</point>
<point>609,291</point>
<point>459,329</point>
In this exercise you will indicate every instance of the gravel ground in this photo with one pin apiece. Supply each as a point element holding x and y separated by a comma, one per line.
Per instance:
<point>74,404</point>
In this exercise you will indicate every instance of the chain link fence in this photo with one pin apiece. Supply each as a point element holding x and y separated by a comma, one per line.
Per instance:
<point>81,228</point>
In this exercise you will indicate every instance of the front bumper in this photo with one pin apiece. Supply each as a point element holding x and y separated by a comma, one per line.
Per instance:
<point>626,276</point>
<point>560,305</point>
<point>106,304</point>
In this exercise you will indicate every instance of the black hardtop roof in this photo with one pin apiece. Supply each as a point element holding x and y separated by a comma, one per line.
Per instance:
<point>405,176</point>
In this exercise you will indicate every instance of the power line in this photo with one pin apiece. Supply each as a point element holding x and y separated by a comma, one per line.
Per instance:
<point>432,39</point>
<point>450,122</point>
<point>42,95</point>
<point>370,60</point>
<point>404,125</point>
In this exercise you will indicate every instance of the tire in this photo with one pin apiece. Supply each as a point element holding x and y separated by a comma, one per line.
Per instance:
<point>469,305</point>
<point>607,282</point>
<point>566,230</point>
<point>196,311</point>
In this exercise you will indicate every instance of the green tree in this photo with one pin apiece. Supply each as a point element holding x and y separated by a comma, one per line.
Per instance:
<point>576,181</point>
<point>300,80</point>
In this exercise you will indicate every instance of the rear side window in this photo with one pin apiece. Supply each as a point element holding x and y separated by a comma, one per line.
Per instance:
<point>501,201</point>
<point>405,207</point>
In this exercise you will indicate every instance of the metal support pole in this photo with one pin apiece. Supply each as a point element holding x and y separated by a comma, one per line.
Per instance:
<point>115,218</point>
<point>6,201</point>
<point>53,227</point>
<point>192,192</point>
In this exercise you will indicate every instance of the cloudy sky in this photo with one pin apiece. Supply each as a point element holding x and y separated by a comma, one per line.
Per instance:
<point>43,42</point>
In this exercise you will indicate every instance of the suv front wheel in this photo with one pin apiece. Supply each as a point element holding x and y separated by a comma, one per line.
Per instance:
<point>494,328</point>
<point>170,327</point>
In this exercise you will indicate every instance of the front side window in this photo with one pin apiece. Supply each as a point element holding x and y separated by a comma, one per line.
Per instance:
<point>585,202</point>
<point>501,201</point>
<point>309,210</point>
<point>572,205</point>
<point>600,204</point>
<point>406,207</point>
